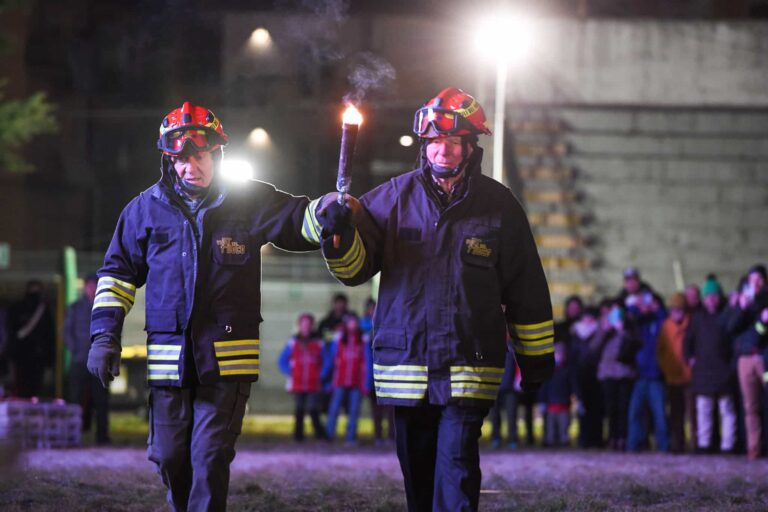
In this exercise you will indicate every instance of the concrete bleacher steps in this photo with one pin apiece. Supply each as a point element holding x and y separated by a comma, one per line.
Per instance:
<point>650,187</point>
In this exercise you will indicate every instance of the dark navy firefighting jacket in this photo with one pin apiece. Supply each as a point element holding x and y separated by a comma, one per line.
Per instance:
<point>202,277</point>
<point>453,280</point>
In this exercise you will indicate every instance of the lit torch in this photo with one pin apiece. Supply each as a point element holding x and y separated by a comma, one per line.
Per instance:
<point>351,121</point>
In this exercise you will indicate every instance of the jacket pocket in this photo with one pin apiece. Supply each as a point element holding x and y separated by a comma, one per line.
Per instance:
<point>231,246</point>
<point>480,246</point>
<point>390,338</point>
<point>161,320</point>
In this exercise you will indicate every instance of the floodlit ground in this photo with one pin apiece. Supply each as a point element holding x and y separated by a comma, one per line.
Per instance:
<point>279,476</point>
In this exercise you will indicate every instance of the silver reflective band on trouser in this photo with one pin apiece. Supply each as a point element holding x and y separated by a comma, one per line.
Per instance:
<point>533,339</point>
<point>480,382</point>
<point>237,357</point>
<point>351,263</point>
<point>403,381</point>
<point>311,228</point>
<point>114,293</point>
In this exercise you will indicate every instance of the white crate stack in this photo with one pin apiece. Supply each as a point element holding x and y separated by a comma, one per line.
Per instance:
<point>32,425</point>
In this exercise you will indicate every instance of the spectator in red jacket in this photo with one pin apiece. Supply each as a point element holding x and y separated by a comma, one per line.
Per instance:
<point>348,355</point>
<point>302,361</point>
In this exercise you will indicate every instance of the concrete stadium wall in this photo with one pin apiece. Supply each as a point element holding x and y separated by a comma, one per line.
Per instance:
<point>646,63</point>
<point>665,185</point>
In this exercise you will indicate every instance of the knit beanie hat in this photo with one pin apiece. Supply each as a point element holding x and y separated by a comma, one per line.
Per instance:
<point>710,286</point>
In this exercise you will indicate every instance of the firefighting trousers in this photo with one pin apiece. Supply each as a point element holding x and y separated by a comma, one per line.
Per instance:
<point>192,438</point>
<point>438,451</point>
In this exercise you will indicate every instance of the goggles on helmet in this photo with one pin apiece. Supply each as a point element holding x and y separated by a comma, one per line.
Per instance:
<point>443,121</point>
<point>175,142</point>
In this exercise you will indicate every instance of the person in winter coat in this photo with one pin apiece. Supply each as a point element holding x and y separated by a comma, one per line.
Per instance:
<point>585,357</point>
<point>674,366</point>
<point>741,325</point>
<point>196,244</point>
<point>616,376</point>
<point>453,247</point>
<point>379,413</point>
<point>32,341</point>
<point>556,396</point>
<point>648,391</point>
<point>709,352</point>
<point>302,361</point>
<point>84,388</point>
<point>348,351</point>
<point>506,402</point>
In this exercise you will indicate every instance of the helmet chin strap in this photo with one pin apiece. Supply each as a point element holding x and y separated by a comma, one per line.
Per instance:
<point>438,171</point>
<point>191,189</point>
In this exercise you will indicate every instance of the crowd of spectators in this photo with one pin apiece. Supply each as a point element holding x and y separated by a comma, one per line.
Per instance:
<point>635,369</point>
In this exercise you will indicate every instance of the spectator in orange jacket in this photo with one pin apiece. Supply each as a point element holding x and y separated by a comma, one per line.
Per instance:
<point>677,374</point>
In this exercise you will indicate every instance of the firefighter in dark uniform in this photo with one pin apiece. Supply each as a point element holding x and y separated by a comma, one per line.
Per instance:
<point>459,268</point>
<point>196,244</point>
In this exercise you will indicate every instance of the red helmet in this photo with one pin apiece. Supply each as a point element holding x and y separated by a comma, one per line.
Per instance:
<point>190,125</point>
<point>451,112</point>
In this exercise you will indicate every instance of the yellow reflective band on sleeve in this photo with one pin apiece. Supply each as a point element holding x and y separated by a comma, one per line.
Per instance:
<point>533,339</point>
<point>765,377</point>
<point>760,328</point>
<point>239,372</point>
<point>111,304</point>
<point>236,348</point>
<point>114,293</point>
<point>235,362</point>
<point>523,349</point>
<point>249,352</point>
<point>534,327</point>
<point>232,343</point>
<point>538,343</point>
<point>311,228</point>
<point>351,263</point>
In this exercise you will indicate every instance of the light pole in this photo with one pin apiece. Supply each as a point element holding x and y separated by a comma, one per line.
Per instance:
<point>506,38</point>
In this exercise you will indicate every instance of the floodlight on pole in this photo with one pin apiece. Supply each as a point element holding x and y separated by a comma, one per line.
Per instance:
<point>505,38</point>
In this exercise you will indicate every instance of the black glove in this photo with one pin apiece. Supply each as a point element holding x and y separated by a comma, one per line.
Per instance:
<point>104,358</point>
<point>334,218</point>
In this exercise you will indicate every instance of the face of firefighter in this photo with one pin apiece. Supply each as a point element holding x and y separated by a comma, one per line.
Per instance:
<point>446,152</point>
<point>195,168</point>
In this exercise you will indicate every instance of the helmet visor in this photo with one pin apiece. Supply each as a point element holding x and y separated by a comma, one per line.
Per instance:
<point>442,121</point>
<point>175,142</point>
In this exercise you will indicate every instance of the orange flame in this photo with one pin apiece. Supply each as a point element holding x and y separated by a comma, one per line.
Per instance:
<point>352,116</point>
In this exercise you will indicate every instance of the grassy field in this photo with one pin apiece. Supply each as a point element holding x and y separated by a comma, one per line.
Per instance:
<point>271,473</point>
<point>281,476</point>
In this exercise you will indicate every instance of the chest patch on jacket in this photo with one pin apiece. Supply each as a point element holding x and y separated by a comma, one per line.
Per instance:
<point>227,245</point>
<point>477,247</point>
